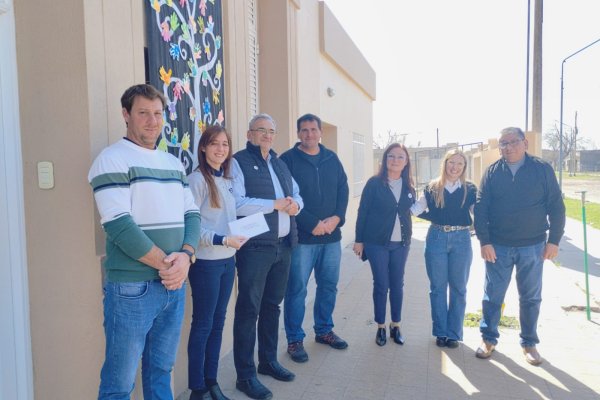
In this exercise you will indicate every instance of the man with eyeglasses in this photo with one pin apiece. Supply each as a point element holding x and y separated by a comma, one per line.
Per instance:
<point>519,200</point>
<point>324,189</point>
<point>262,183</point>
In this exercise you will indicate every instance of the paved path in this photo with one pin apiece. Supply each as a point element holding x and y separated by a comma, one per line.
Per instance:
<point>420,370</point>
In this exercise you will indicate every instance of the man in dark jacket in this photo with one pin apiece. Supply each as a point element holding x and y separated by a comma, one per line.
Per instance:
<point>324,190</point>
<point>518,201</point>
<point>262,183</point>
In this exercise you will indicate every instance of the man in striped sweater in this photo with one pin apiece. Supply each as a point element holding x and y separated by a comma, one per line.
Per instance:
<point>152,227</point>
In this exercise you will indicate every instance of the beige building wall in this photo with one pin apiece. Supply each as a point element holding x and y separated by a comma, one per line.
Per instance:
<point>71,76</point>
<point>64,279</point>
<point>336,83</point>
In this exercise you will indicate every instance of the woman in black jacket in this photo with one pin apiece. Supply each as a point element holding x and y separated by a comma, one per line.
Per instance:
<point>383,232</point>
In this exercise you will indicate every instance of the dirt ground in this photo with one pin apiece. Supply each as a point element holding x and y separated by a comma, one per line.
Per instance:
<point>591,186</point>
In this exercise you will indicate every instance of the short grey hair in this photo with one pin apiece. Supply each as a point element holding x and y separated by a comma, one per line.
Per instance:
<point>260,116</point>
<point>513,131</point>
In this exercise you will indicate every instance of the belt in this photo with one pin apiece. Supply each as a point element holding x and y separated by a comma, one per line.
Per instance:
<point>449,228</point>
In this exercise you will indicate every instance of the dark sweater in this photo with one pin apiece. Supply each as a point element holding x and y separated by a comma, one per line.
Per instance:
<point>517,211</point>
<point>258,184</point>
<point>454,213</point>
<point>377,213</point>
<point>324,190</point>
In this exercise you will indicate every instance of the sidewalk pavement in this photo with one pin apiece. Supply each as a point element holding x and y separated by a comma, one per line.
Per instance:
<point>420,370</point>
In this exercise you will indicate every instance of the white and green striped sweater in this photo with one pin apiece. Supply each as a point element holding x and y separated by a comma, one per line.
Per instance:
<point>143,198</point>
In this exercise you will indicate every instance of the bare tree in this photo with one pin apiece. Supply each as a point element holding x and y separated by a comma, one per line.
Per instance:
<point>383,141</point>
<point>571,141</point>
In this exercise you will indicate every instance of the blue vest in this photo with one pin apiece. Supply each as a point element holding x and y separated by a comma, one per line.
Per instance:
<point>259,185</point>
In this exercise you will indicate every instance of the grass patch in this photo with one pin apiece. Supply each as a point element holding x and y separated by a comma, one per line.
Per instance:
<point>581,176</point>
<point>472,321</point>
<point>592,211</point>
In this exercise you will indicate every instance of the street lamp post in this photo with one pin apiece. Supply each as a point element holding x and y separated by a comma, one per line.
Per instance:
<point>562,89</point>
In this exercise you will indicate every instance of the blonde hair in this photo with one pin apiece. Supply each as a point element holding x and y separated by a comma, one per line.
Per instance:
<point>438,184</point>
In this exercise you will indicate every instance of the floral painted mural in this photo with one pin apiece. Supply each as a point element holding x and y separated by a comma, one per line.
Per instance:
<point>185,61</point>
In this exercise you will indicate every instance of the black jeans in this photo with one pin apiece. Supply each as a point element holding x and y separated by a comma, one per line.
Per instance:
<point>262,279</point>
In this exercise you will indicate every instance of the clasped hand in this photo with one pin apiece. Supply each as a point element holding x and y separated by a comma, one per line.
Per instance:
<point>326,226</point>
<point>287,205</point>
<point>177,266</point>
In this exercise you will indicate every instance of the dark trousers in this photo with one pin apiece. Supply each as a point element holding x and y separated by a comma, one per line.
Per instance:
<point>262,279</point>
<point>211,282</point>
<point>387,264</point>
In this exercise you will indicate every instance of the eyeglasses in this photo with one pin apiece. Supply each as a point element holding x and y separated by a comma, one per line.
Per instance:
<point>512,143</point>
<point>264,131</point>
<point>392,157</point>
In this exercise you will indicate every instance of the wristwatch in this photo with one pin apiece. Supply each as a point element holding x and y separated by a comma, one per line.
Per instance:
<point>190,254</point>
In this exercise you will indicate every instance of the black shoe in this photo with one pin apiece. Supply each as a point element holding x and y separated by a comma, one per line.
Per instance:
<point>440,341</point>
<point>396,335</point>
<point>277,371</point>
<point>216,394</point>
<point>451,343</point>
<point>297,352</point>
<point>253,389</point>
<point>381,337</point>
<point>333,340</point>
<point>200,395</point>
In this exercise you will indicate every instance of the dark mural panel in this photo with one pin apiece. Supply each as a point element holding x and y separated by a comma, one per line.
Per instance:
<point>185,62</point>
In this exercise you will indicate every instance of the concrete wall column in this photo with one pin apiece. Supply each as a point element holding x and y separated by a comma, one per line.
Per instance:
<point>278,67</point>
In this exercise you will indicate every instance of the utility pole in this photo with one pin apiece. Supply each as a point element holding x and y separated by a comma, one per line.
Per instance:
<point>536,125</point>
<point>526,127</point>
<point>574,148</point>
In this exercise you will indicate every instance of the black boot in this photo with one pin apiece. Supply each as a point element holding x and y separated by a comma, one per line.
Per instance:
<point>396,335</point>
<point>381,337</point>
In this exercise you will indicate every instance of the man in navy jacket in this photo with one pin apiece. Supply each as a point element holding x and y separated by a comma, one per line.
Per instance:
<point>518,201</point>
<point>324,189</point>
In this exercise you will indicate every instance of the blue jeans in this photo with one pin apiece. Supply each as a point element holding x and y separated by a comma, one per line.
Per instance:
<point>141,319</point>
<point>387,264</point>
<point>262,277</point>
<point>325,259</point>
<point>211,282</point>
<point>448,257</point>
<point>529,263</point>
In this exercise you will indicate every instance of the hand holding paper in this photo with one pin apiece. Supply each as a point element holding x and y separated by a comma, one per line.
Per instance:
<point>235,241</point>
<point>250,226</point>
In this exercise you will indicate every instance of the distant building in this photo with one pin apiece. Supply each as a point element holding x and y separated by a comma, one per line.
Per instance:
<point>589,160</point>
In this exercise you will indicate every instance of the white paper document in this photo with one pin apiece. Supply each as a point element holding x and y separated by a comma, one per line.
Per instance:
<point>250,226</point>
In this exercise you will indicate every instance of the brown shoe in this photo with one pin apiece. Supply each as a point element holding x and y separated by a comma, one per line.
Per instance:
<point>532,356</point>
<point>485,350</point>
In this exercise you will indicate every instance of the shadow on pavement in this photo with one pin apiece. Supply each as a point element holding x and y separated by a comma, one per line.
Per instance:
<point>572,257</point>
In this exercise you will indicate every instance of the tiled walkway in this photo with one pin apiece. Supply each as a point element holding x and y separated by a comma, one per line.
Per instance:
<point>570,345</point>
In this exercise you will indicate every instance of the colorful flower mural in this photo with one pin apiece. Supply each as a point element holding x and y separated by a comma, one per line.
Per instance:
<point>185,61</point>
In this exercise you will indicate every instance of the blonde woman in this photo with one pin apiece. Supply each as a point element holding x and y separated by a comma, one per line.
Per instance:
<point>449,201</point>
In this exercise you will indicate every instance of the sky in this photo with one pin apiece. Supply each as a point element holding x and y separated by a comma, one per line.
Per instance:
<point>459,67</point>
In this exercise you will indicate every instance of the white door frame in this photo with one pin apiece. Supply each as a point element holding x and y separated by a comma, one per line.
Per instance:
<point>16,373</point>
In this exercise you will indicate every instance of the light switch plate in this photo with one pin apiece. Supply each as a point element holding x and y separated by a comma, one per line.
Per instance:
<point>45,174</point>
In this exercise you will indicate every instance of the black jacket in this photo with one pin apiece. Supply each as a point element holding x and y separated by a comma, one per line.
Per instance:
<point>517,211</point>
<point>377,213</point>
<point>324,190</point>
